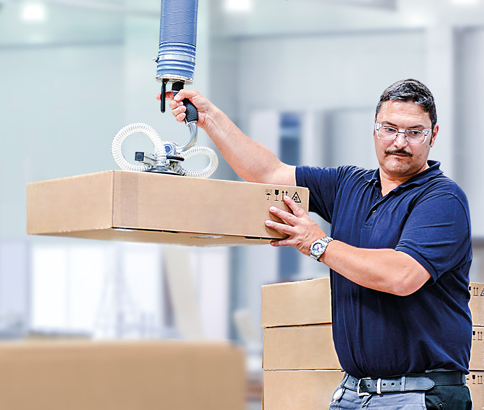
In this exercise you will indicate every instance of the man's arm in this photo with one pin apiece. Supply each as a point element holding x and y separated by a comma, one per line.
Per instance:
<point>251,160</point>
<point>385,270</point>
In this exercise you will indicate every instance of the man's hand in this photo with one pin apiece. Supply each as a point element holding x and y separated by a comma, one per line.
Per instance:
<point>302,231</point>
<point>179,109</point>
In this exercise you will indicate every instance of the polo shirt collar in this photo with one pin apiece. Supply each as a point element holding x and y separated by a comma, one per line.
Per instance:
<point>373,177</point>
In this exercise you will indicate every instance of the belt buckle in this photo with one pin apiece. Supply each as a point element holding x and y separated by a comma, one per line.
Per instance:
<point>362,394</point>
<point>358,391</point>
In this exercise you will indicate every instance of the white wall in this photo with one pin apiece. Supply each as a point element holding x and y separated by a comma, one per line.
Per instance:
<point>326,71</point>
<point>469,135</point>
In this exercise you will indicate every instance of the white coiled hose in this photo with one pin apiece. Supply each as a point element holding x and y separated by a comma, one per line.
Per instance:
<point>205,172</point>
<point>125,132</point>
<point>160,152</point>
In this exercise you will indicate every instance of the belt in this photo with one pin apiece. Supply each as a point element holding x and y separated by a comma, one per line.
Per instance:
<point>411,382</point>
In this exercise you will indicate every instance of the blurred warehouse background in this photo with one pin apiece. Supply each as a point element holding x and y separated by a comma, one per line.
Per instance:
<point>301,76</point>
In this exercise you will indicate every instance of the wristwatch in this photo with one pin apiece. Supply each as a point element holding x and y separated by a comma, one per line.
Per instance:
<point>318,247</point>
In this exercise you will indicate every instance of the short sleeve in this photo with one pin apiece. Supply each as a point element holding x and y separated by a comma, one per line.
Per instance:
<point>321,183</point>
<point>437,233</point>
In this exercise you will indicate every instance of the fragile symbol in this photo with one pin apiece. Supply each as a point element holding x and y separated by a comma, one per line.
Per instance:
<point>296,198</point>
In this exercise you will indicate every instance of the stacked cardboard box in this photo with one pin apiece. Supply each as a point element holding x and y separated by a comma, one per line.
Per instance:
<point>301,368</point>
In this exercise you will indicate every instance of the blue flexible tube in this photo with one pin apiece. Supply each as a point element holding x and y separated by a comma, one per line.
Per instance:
<point>178,36</point>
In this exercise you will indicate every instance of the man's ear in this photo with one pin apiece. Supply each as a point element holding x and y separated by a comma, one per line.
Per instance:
<point>435,131</point>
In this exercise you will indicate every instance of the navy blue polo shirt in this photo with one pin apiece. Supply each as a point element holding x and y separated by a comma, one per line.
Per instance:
<point>377,334</point>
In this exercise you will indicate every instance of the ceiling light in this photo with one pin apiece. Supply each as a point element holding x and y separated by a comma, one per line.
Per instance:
<point>465,1</point>
<point>34,12</point>
<point>238,6</point>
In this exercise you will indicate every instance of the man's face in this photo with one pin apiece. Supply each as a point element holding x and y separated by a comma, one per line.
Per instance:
<point>399,159</point>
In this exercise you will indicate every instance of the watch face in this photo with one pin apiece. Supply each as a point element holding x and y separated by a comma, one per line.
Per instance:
<point>317,247</point>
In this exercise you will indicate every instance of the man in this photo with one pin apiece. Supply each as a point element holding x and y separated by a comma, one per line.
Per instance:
<point>399,253</point>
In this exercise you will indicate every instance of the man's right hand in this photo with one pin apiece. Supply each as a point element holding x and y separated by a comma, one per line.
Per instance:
<point>178,109</point>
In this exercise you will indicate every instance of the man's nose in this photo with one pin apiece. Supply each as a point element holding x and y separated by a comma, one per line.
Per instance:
<point>400,140</point>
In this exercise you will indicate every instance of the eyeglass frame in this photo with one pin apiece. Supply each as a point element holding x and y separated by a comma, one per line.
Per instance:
<point>426,132</point>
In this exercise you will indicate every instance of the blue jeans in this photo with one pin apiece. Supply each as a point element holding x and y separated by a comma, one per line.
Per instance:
<point>438,398</point>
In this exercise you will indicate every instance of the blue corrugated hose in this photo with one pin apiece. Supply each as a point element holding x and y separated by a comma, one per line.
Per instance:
<point>178,36</point>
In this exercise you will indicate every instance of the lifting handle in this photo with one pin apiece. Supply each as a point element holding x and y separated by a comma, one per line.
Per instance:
<point>192,112</point>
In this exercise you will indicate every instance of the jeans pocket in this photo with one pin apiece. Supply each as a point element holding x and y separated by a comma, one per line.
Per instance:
<point>448,398</point>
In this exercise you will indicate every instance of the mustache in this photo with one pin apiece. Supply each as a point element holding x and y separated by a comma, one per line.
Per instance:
<point>399,151</point>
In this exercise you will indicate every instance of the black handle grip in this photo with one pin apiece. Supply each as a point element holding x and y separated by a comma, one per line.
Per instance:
<point>192,112</point>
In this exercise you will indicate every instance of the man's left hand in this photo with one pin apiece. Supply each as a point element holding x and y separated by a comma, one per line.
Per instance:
<point>301,230</point>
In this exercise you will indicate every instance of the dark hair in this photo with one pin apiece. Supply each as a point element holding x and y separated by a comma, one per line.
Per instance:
<point>410,90</point>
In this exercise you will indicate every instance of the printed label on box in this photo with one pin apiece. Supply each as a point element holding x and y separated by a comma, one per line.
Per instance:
<point>476,303</point>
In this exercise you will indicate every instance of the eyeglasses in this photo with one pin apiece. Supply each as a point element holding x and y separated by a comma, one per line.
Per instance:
<point>413,136</point>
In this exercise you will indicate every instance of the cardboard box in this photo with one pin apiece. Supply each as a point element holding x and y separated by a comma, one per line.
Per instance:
<point>312,347</point>
<point>475,382</point>
<point>147,207</point>
<point>309,302</point>
<point>477,303</point>
<point>296,303</point>
<point>122,376</point>
<point>477,349</point>
<point>299,348</point>
<point>300,389</point>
